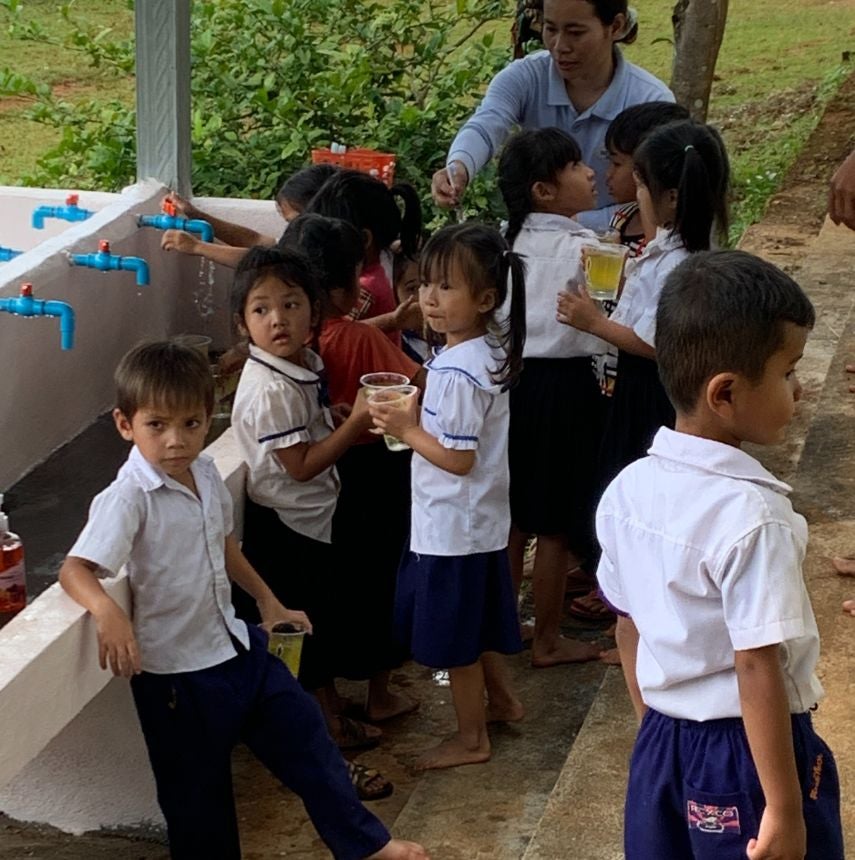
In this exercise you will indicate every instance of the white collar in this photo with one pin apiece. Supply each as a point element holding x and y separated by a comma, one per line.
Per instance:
<point>149,477</point>
<point>664,240</point>
<point>294,372</point>
<point>553,221</point>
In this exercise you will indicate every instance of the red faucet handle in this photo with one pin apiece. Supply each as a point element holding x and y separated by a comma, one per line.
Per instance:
<point>26,290</point>
<point>168,208</point>
<point>72,199</point>
<point>104,246</point>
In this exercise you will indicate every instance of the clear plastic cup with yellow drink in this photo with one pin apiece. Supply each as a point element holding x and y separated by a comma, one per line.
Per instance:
<point>603,266</point>
<point>397,397</point>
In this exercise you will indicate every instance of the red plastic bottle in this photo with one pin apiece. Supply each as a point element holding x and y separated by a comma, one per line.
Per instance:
<point>13,583</point>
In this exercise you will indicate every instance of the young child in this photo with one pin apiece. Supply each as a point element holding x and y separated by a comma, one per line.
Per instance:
<point>702,550</point>
<point>201,679</point>
<point>284,432</point>
<point>371,207</point>
<point>405,278</point>
<point>681,173</point>
<point>455,604</point>
<point>556,408</point>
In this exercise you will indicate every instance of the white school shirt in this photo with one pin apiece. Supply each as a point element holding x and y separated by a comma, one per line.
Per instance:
<point>551,247</point>
<point>279,404</point>
<point>645,277</point>
<point>173,544</point>
<point>702,548</point>
<point>465,410</point>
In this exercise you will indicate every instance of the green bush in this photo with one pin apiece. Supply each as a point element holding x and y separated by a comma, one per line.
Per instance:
<point>273,79</point>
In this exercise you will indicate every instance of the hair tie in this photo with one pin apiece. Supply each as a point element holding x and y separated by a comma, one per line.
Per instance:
<point>630,25</point>
<point>687,148</point>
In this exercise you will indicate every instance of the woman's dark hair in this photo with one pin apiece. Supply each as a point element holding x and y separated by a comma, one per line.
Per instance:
<point>629,128</point>
<point>299,188</point>
<point>608,10</point>
<point>486,261</point>
<point>533,155</point>
<point>290,267</point>
<point>689,157</point>
<point>368,204</point>
<point>333,247</point>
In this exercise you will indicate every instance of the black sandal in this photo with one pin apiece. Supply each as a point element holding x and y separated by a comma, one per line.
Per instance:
<point>354,735</point>
<point>363,777</point>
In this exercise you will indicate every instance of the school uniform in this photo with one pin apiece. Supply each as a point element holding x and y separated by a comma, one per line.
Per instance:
<point>702,549</point>
<point>639,405</point>
<point>455,598</point>
<point>288,523</point>
<point>207,680</point>
<point>556,409</point>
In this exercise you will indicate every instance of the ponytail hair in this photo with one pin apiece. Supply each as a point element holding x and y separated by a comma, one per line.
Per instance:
<point>529,156</point>
<point>688,157</point>
<point>485,261</point>
<point>299,188</point>
<point>608,10</point>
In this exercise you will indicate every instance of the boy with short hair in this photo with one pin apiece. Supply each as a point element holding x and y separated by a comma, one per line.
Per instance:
<point>202,681</point>
<point>702,556</point>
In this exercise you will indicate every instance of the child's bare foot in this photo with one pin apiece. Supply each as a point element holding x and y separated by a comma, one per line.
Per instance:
<point>392,705</point>
<point>611,656</point>
<point>455,752</point>
<point>509,710</point>
<point>563,651</point>
<point>844,565</point>
<point>398,849</point>
<point>849,607</point>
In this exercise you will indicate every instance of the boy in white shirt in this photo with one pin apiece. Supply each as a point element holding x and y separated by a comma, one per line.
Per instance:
<point>702,556</point>
<point>202,680</point>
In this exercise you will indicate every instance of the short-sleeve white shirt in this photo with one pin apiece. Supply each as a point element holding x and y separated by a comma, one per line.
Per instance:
<point>454,515</point>
<point>279,404</point>
<point>173,545</point>
<point>551,246</point>
<point>645,277</point>
<point>702,548</point>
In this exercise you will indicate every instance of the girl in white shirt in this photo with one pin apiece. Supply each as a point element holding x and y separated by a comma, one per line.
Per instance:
<point>455,603</point>
<point>681,173</point>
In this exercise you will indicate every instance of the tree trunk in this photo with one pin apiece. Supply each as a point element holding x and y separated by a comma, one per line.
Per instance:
<point>698,31</point>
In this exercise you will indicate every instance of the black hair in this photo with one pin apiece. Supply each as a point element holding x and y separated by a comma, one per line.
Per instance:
<point>629,128</point>
<point>529,156</point>
<point>333,247</point>
<point>608,10</point>
<point>299,188</point>
<point>690,157</point>
<point>368,204</point>
<point>163,373</point>
<point>723,311</point>
<point>290,267</point>
<point>486,262</point>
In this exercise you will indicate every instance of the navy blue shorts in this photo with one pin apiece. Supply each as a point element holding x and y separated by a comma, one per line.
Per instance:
<point>694,793</point>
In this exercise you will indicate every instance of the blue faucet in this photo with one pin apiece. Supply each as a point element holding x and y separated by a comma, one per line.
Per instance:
<point>168,220</point>
<point>70,212</point>
<point>26,306</point>
<point>7,254</point>
<point>105,262</point>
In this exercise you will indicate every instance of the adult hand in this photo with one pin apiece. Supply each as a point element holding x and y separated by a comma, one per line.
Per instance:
<point>179,240</point>
<point>841,196</point>
<point>444,194</point>
<point>182,206</point>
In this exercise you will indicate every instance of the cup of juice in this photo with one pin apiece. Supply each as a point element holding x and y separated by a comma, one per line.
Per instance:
<point>372,382</point>
<point>603,265</point>
<point>286,643</point>
<point>394,396</point>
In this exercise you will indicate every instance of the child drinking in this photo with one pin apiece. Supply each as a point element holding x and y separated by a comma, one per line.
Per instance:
<point>201,679</point>
<point>702,551</point>
<point>455,604</point>
<point>556,408</point>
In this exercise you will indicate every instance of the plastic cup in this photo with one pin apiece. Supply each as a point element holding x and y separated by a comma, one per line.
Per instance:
<point>196,341</point>
<point>372,382</point>
<point>286,643</point>
<point>394,396</point>
<point>603,269</point>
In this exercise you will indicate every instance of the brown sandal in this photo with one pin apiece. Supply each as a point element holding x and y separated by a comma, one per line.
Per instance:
<point>354,735</point>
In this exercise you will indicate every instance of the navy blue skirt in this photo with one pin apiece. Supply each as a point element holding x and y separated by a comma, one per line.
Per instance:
<point>451,609</point>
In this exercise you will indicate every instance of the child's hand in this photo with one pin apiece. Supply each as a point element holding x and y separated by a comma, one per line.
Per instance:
<point>178,240</point>
<point>359,411</point>
<point>782,836</point>
<point>577,308</point>
<point>408,315</point>
<point>396,420</point>
<point>340,412</point>
<point>182,206</point>
<point>117,645</point>
<point>273,612</point>
<point>849,607</point>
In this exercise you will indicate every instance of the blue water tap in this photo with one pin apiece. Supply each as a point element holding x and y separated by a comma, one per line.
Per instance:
<point>70,212</point>
<point>168,220</point>
<point>7,254</point>
<point>27,306</point>
<point>104,261</point>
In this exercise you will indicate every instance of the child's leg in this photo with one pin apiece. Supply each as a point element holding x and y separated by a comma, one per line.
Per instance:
<point>503,706</point>
<point>382,703</point>
<point>471,744</point>
<point>517,541</point>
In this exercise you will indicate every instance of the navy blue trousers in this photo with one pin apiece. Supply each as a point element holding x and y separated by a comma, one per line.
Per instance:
<point>192,721</point>
<point>694,793</point>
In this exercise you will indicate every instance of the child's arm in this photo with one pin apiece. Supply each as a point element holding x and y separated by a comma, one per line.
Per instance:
<point>766,715</point>
<point>582,312</point>
<point>117,644</point>
<point>244,574</point>
<point>226,231</point>
<point>187,243</point>
<point>626,634</point>
<point>407,315</point>
<point>404,425</point>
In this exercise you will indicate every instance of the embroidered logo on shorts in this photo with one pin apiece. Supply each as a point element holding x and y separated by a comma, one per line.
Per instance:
<point>713,819</point>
